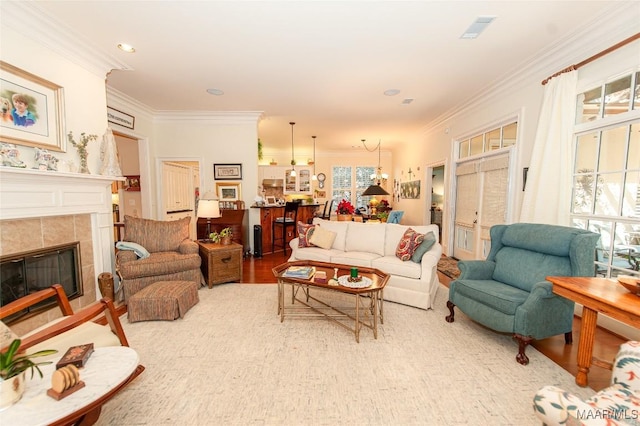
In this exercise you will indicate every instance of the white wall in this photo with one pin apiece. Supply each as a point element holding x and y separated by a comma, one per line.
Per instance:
<point>84,94</point>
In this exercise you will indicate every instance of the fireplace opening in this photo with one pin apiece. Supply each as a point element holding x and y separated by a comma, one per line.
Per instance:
<point>25,273</point>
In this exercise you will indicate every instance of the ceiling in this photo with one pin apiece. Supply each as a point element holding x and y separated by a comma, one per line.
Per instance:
<point>324,65</point>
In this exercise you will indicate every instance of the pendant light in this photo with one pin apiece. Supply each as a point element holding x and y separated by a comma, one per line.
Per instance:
<point>376,189</point>
<point>314,176</point>
<point>293,162</point>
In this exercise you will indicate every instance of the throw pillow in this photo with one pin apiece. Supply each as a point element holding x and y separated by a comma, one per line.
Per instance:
<point>426,244</point>
<point>323,238</point>
<point>304,234</point>
<point>408,244</point>
<point>140,251</point>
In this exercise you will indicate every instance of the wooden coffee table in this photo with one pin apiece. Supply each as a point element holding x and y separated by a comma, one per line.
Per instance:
<point>305,304</point>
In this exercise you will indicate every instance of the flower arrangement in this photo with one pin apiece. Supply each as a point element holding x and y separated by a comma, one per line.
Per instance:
<point>219,237</point>
<point>82,149</point>
<point>345,207</point>
<point>384,203</point>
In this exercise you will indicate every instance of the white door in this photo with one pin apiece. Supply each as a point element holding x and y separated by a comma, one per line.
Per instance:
<point>482,190</point>
<point>178,193</point>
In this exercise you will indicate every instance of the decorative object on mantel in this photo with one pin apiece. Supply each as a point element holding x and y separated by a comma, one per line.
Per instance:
<point>109,155</point>
<point>82,149</point>
<point>11,156</point>
<point>45,160</point>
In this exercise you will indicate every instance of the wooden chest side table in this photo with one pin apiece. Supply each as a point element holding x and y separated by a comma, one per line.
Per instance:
<point>221,263</point>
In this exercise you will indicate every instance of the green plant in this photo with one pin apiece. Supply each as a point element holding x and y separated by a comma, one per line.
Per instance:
<point>214,237</point>
<point>12,364</point>
<point>260,153</point>
<point>226,232</point>
<point>383,215</point>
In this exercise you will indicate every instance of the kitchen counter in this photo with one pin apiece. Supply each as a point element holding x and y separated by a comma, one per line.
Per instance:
<point>269,213</point>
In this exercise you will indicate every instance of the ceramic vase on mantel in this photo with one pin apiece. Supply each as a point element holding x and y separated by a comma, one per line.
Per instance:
<point>344,217</point>
<point>11,390</point>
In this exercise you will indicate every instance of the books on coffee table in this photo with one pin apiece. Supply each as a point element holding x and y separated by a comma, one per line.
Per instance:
<point>302,272</point>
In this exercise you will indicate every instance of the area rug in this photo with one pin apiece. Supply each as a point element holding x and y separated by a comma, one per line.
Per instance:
<point>449,267</point>
<point>231,361</point>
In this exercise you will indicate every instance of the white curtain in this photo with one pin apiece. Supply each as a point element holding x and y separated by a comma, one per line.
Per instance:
<point>547,196</point>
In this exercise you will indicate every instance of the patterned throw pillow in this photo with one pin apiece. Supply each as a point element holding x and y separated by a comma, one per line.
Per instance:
<point>304,234</point>
<point>408,244</point>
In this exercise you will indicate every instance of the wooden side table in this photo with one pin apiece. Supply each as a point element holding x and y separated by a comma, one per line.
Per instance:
<point>596,295</point>
<point>220,263</point>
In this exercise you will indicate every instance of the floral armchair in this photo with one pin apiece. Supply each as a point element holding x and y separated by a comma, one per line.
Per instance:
<point>618,404</point>
<point>158,251</point>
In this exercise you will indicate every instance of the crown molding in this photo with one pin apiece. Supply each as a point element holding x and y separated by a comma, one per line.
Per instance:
<point>227,117</point>
<point>121,101</point>
<point>57,37</point>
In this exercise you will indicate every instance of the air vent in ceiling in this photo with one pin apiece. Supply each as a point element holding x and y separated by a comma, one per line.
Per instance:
<point>478,26</point>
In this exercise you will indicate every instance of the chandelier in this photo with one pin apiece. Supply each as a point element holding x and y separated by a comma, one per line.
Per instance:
<point>314,176</point>
<point>378,177</point>
<point>293,161</point>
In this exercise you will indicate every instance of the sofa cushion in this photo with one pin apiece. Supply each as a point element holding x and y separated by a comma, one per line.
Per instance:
<point>354,258</point>
<point>161,263</point>
<point>316,253</point>
<point>365,237</point>
<point>322,237</point>
<point>304,234</point>
<point>523,268</point>
<point>426,244</point>
<point>156,235</point>
<point>394,266</point>
<point>408,244</point>
<point>340,228</point>
<point>498,296</point>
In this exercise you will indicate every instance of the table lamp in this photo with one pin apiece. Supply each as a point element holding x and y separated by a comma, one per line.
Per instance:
<point>209,209</point>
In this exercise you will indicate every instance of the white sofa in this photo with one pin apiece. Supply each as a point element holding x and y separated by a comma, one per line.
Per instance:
<point>374,245</point>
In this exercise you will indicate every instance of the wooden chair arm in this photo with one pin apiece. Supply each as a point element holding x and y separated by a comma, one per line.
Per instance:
<point>37,297</point>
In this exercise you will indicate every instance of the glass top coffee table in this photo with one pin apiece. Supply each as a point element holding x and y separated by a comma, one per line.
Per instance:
<point>331,300</point>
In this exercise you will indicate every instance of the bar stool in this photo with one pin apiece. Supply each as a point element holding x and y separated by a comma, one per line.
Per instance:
<point>290,219</point>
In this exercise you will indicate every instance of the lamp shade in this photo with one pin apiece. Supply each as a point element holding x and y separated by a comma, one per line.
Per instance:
<point>209,209</point>
<point>375,190</point>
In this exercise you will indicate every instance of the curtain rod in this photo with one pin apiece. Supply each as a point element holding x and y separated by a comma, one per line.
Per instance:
<point>593,58</point>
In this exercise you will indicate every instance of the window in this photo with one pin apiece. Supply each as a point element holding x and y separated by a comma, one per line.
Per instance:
<point>498,138</point>
<point>606,173</point>
<point>345,184</point>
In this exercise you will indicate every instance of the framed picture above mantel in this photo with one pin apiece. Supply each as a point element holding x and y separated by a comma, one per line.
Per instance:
<point>32,111</point>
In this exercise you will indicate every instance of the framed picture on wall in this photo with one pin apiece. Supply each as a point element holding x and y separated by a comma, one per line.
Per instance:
<point>228,191</point>
<point>32,111</point>
<point>227,171</point>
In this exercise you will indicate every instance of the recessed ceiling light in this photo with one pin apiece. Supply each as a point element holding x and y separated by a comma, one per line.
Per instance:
<point>479,25</point>
<point>407,101</point>
<point>126,47</point>
<point>216,92</point>
<point>391,92</point>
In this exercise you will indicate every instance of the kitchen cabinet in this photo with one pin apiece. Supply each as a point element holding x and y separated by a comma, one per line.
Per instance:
<point>177,188</point>
<point>298,184</point>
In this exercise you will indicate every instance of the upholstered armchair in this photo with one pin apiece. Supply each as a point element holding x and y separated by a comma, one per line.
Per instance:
<point>508,291</point>
<point>163,252</point>
<point>618,404</point>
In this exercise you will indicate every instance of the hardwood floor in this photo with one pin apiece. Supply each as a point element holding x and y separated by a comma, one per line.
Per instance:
<point>605,347</point>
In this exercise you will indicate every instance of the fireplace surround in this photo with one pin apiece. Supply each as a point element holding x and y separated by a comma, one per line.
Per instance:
<point>40,209</point>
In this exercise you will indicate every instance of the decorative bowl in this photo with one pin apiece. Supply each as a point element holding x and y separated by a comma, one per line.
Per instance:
<point>631,283</point>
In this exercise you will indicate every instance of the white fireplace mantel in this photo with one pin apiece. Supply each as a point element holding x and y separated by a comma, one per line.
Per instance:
<point>29,193</point>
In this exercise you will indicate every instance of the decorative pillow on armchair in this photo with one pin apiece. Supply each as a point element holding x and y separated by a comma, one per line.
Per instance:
<point>304,234</point>
<point>408,244</point>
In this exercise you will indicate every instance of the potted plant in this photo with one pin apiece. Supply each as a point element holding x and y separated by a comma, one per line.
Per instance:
<point>225,236</point>
<point>214,237</point>
<point>345,210</point>
<point>13,367</point>
<point>383,216</point>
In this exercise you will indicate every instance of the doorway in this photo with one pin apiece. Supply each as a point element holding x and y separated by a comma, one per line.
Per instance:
<point>481,201</point>
<point>180,190</point>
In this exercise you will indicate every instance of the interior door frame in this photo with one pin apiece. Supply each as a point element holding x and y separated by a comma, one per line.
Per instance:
<point>428,187</point>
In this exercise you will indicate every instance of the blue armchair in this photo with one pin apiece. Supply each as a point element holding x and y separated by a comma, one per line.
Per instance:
<point>509,293</point>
